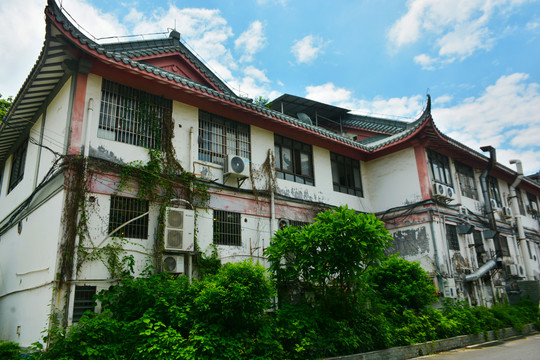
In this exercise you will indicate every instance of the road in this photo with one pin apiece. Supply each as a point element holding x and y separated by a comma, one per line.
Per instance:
<point>521,348</point>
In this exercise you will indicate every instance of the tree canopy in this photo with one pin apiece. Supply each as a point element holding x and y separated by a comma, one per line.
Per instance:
<point>5,104</point>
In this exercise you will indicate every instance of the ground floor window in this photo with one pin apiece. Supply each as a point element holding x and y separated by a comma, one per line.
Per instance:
<point>83,301</point>
<point>227,228</point>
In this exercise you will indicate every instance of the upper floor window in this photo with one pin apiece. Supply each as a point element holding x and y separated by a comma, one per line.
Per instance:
<point>227,228</point>
<point>478,242</point>
<point>124,209</point>
<point>17,166</point>
<point>83,301</point>
<point>452,237</point>
<point>294,160</point>
<point>466,181</point>
<point>219,137</point>
<point>493,187</point>
<point>440,168</point>
<point>132,116</point>
<point>505,251</point>
<point>533,208</point>
<point>346,175</point>
<point>520,202</point>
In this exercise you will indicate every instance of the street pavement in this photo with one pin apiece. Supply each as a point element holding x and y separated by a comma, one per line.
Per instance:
<point>516,348</point>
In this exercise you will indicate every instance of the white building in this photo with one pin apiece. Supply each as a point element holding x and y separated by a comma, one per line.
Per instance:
<point>85,108</point>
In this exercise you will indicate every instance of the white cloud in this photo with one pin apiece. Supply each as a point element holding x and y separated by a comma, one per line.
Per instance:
<point>425,61</point>
<point>307,49</point>
<point>328,93</point>
<point>251,41</point>
<point>505,116</point>
<point>460,27</point>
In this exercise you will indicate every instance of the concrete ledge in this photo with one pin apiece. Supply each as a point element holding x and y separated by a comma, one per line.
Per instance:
<point>432,347</point>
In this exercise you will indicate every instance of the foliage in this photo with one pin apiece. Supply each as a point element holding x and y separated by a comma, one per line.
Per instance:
<point>9,350</point>
<point>261,101</point>
<point>399,285</point>
<point>5,104</point>
<point>330,255</point>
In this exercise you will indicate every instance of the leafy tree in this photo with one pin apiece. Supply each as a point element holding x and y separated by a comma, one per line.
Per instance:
<point>330,255</point>
<point>5,104</point>
<point>399,285</point>
<point>261,101</point>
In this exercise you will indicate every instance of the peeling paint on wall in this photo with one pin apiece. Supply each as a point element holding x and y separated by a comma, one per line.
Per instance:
<point>102,153</point>
<point>410,242</point>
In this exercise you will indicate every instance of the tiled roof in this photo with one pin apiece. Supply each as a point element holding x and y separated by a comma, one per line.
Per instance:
<point>375,124</point>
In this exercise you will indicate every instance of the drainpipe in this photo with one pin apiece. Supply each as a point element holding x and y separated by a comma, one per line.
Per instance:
<point>90,112</point>
<point>272,198</point>
<point>191,167</point>
<point>481,271</point>
<point>522,239</point>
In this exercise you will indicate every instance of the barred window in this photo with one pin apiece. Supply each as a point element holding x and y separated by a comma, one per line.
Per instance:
<point>294,160</point>
<point>520,202</point>
<point>83,301</point>
<point>219,137</point>
<point>452,237</point>
<point>493,187</point>
<point>440,168</point>
<point>124,209</point>
<point>478,242</point>
<point>346,175</point>
<point>132,116</point>
<point>227,228</point>
<point>505,251</point>
<point>17,166</point>
<point>466,181</point>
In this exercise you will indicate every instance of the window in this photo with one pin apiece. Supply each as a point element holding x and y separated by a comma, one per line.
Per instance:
<point>533,205</point>
<point>83,301</point>
<point>478,242</point>
<point>219,137</point>
<point>440,168</point>
<point>466,181</point>
<point>132,116</point>
<point>493,187</point>
<point>227,228</point>
<point>17,166</point>
<point>452,237</point>
<point>124,209</point>
<point>504,243</point>
<point>346,175</point>
<point>529,248</point>
<point>294,160</point>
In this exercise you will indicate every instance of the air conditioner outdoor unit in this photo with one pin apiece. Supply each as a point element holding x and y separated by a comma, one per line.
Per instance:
<point>439,190</point>
<point>179,229</point>
<point>511,269</point>
<point>521,271</point>
<point>449,288</point>
<point>534,207</point>
<point>506,211</point>
<point>173,264</point>
<point>283,223</point>
<point>450,193</point>
<point>494,205</point>
<point>463,210</point>
<point>236,166</point>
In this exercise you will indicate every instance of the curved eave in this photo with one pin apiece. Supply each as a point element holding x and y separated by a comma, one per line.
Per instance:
<point>38,87</point>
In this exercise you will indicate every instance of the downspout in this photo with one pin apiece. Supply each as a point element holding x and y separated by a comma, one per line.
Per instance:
<point>191,167</point>
<point>435,250</point>
<point>89,116</point>
<point>38,161</point>
<point>517,216</point>
<point>272,197</point>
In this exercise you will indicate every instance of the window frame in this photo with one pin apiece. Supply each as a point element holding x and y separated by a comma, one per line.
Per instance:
<point>342,181</point>
<point>18,163</point>
<point>466,180</point>
<point>452,237</point>
<point>440,168</point>
<point>132,207</point>
<point>220,136</point>
<point>300,155</point>
<point>494,191</point>
<point>122,109</point>
<point>227,228</point>
<point>82,304</point>
<point>505,251</point>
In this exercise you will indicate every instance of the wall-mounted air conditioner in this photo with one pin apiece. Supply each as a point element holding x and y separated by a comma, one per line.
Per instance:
<point>463,210</point>
<point>506,211</point>
<point>173,264</point>
<point>179,229</point>
<point>236,166</point>
<point>511,269</point>
<point>494,205</point>
<point>283,223</point>
<point>439,190</point>
<point>450,193</point>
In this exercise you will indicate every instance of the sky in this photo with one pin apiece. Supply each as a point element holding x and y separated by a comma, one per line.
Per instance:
<point>478,59</point>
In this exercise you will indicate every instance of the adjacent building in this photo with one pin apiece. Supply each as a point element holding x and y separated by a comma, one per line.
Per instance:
<point>70,220</point>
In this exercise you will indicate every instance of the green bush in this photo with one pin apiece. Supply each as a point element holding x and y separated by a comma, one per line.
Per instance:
<point>9,350</point>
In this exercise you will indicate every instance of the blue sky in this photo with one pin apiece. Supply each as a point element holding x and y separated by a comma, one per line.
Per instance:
<point>479,59</point>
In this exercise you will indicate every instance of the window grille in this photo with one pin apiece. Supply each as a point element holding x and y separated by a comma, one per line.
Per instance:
<point>478,242</point>
<point>346,175</point>
<point>466,181</point>
<point>17,166</point>
<point>227,228</point>
<point>505,251</point>
<point>124,209</point>
<point>532,200</point>
<point>294,160</point>
<point>219,137</point>
<point>520,202</point>
<point>83,301</point>
<point>493,187</point>
<point>299,224</point>
<point>452,237</point>
<point>440,168</point>
<point>132,116</point>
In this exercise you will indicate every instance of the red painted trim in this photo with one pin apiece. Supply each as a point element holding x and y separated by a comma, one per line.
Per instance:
<point>77,118</point>
<point>423,172</point>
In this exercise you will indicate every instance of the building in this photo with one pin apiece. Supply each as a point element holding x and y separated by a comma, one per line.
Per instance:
<point>87,112</point>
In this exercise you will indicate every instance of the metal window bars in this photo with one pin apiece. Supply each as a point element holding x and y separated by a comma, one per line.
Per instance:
<point>124,209</point>
<point>227,228</point>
